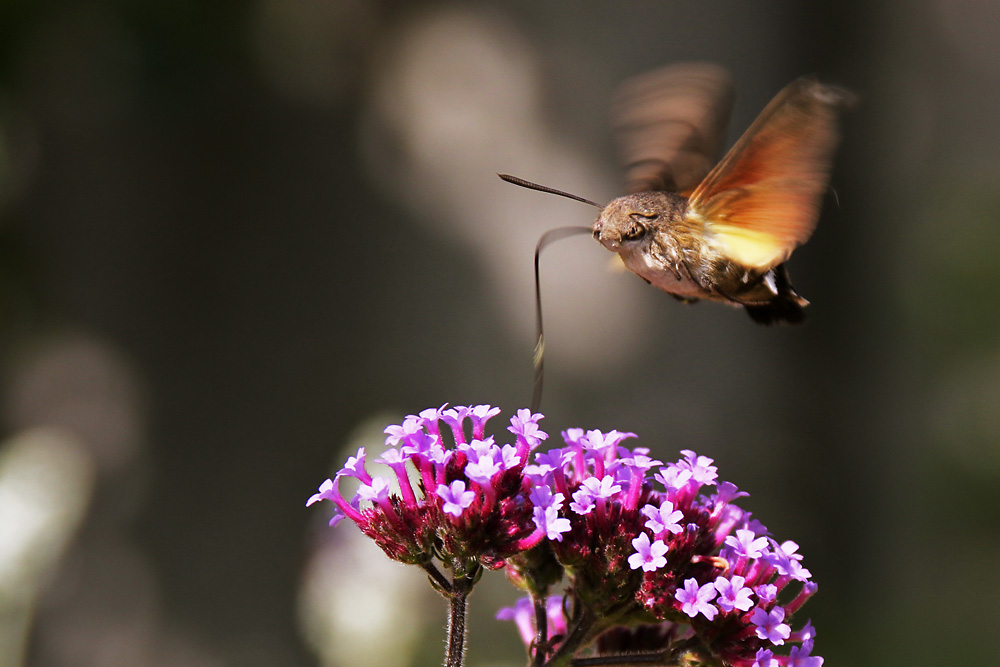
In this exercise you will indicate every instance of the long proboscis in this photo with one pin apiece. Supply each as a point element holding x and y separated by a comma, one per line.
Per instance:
<point>544,188</point>
<point>539,358</point>
<point>548,237</point>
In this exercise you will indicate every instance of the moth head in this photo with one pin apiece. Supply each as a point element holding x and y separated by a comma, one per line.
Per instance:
<point>629,221</point>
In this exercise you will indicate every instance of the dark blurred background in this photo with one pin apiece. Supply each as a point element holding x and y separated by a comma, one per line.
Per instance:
<point>238,238</point>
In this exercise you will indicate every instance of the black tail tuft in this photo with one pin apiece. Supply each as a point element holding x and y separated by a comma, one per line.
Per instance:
<point>782,310</point>
<point>787,306</point>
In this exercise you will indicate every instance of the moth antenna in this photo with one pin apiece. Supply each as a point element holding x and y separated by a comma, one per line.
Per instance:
<point>542,188</point>
<point>548,237</point>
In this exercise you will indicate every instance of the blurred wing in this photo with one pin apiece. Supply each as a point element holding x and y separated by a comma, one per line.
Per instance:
<point>671,125</point>
<point>762,200</point>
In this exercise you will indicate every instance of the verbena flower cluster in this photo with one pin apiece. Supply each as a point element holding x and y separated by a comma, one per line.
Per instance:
<point>472,502</point>
<point>645,550</point>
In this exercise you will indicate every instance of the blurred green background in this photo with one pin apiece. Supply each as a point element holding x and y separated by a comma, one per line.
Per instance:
<point>238,238</point>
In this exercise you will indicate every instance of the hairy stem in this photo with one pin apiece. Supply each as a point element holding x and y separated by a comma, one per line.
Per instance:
<point>457,611</point>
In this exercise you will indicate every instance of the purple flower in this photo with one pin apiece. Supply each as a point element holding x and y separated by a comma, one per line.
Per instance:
<point>438,455</point>
<point>753,524</point>
<point>745,545</point>
<point>806,634</point>
<point>455,418</point>
<point>600,443</point>
<point>603,488</point>
<point>429,419</point>
<point>647,556</point>
<point>509,457</point>
<point>663,518</point>
<point>799,656</point>
<point>481,414</point>
<point>766,592</point>
<point>477,447</point>
<point>702,470</point>
<point>548,520</point>
<point>419,443</point>
<point>583,501</point>
<point>525,425</point>
<point>784,558</point>
<point>593,493</point>
<point>765,658</point>
<point>673,477</point>
<point>396,433</point>
<point>770,626</point>
<point>355,466</point>
<point>542,496</point>
<point>391,457</point>
<point>733,594</point>
<point>485,466</point>
<point>523,615</point>
<point>338,516</point>
<point>545,464</point>
<point>455,497</point>
<point>377,491</point>
<point>695,600</point>
<point>641,461</point>
<point>325,493</point>
<point>728,492</point>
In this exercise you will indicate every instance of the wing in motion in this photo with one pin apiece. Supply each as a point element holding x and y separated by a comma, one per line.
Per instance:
<point>763,199</point>
<point>671,125</point>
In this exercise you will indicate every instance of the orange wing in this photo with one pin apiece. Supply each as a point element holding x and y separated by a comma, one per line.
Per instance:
<point>671,125</point>
<point>763,199</point>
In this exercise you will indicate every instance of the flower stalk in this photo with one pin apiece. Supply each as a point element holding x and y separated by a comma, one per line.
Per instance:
<point>457,615</point>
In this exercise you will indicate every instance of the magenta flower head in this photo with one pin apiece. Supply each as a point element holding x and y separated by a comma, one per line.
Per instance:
<point>641,542</point>
<point>461,498</point>
<point>650,557</point>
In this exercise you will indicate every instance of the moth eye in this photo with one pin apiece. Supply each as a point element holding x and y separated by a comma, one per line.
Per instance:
<point>634,230</point>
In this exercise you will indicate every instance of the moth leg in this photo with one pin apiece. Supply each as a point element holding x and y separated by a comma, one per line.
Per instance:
<point>685,299</point>
<point>701,280</point>
<point>666,260</point>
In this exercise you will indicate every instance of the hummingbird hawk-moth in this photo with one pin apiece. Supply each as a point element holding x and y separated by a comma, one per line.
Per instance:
<point>719,231</point>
